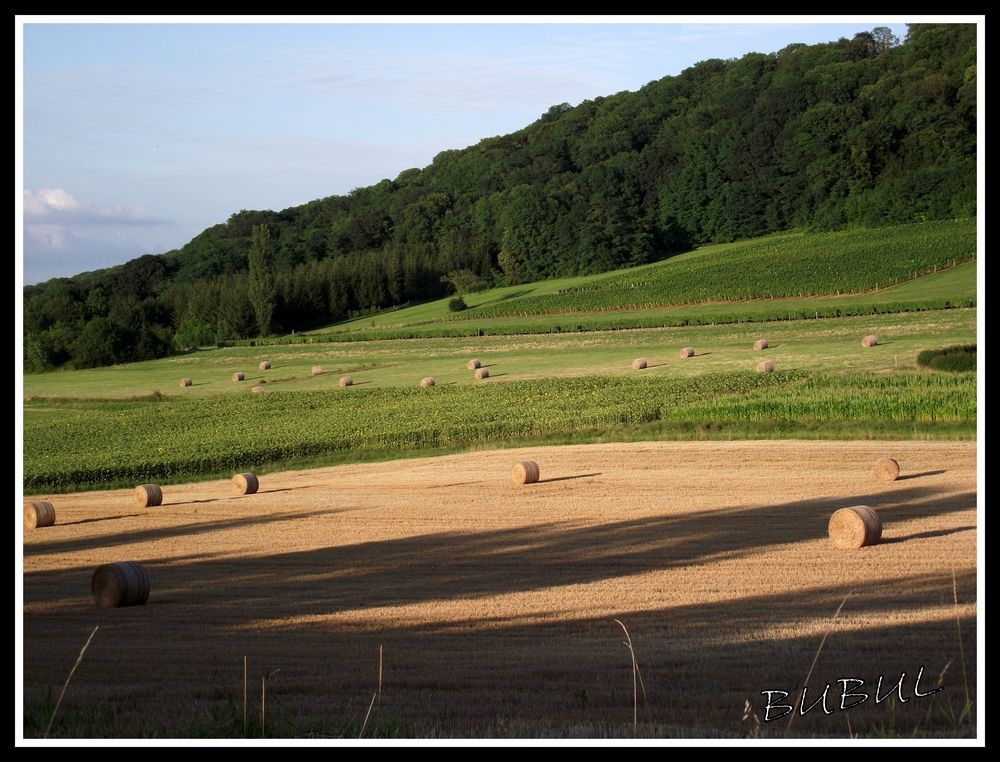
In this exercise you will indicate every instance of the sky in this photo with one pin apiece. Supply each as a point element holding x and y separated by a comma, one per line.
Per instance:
<point>136,137</point>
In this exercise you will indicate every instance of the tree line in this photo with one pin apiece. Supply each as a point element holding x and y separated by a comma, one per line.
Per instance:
<point>859,132</point>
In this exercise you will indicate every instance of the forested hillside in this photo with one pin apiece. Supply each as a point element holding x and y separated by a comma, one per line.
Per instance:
<point>861,132</point>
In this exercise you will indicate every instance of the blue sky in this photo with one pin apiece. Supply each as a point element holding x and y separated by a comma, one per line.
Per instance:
<point>138,137</point>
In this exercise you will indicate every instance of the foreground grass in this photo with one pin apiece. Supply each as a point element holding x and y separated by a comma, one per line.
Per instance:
<point>828,344</point>
<point>72,446</point>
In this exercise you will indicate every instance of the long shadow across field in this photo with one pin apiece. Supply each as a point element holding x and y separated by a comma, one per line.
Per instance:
<point>459,565</point>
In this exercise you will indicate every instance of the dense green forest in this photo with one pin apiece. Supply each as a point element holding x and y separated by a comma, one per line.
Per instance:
<point>862,132</point>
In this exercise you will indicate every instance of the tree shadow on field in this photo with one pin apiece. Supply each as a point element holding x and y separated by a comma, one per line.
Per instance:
<point>345,576</point>
<point>703,651</point>
<point>175,531</point>
<point>921,474</point>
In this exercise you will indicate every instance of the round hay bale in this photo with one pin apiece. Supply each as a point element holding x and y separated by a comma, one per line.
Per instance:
<point>525,472</point>
<point>639,363</point>
<point>887,470</point>
<point>238,376</point>
<point>185,382</point>
<point>855,527</point>
<point>125,583</point>
<point>346,381</point>
<point>245,484</point>
<point>869,341</point>
<point>425,382</point>
<point>760,344</point>
<point>264,365</point>
<point>473,364</point>
<point>258,389</point>
<point>482,373</point>
<point>148,495</point>
<point>765,366</point>
<point>687,352</point>
<point>38,513</point>
<point>316,370</point>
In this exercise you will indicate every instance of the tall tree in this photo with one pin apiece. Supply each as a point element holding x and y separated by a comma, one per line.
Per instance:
<point>261,277</point>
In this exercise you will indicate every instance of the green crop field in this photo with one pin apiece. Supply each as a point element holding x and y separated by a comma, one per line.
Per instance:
<point>70,446</point>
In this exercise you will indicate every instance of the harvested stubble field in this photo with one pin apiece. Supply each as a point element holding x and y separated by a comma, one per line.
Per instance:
<point>493,603</point>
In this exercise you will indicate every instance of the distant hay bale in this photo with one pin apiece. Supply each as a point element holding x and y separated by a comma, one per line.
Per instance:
<point>425,382</point>
<point>887,470</point>
<point>38,513</point>
<point>148,495</point>
<point>473,364</point>
<point>258,389</point>
<point>760,344</point>
<point>245,484</point>
<point>265,365</point>
<point>125,583</point>
<point>346,381</point>
<point>238,376</point>
<point>765,366</point>
<point>869,341</point>
<point>482,373</point>
<point>185,382</point>
<point>316,370</point>
<point>525,472</point>
<point>639,363</point>
<point>855,527</point>
<point>687,352</point>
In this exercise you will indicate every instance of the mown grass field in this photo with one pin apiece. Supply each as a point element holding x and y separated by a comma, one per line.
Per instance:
<point>825,344</point>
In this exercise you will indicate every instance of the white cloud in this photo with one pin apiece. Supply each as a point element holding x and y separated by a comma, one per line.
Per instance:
<point>56,206</point>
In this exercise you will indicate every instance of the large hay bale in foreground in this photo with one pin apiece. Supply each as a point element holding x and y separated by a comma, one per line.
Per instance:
<point>38,513</point>
<point>482,373</point>
<point>264,365</point>
<point>346,381</point>
<point>125,583</point>
<point>765,366</point>
<point>425,382</point>
<point>186,382</point>
<point>148,495</point>
<point>887,470</point>
<point>245,484</point>
<point>525,472</point>
<point>238,376</point>
<point>760,344</point>
<point>473,364</point>
<point>855,527</point>
<point>869,341</point>
<point>687,352</point>
<point>639,363</point>
<point>316,370</point>
<point>258,389</point>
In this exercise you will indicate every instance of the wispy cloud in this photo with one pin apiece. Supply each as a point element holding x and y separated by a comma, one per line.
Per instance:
<point>54,207</point>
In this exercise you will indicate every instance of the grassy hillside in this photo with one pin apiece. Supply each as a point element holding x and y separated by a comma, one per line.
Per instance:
<point>848,263</point>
